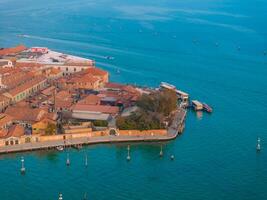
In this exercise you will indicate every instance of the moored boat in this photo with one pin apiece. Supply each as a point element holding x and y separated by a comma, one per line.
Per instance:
<point>197,105</point>
<point>207,108</point>
<point>60,148</point>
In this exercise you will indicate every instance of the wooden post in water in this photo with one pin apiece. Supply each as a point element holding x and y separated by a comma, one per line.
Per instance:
<point>86,162</point>
<point>128,156</point>
<point>258,144</point>
<point>161,151</point>
<point>60,197</point>
<point>23,169</point>
<point>68,160</point>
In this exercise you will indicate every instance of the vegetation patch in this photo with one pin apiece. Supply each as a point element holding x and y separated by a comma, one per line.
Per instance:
<point>153,111</point>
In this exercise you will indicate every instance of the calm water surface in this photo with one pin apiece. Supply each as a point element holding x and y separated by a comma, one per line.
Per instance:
<point>192,44</point>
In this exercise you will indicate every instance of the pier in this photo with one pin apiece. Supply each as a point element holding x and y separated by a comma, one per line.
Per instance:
<point>173,131</point>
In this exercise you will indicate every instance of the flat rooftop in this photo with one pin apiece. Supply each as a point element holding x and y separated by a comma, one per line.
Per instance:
<point>52,58</point>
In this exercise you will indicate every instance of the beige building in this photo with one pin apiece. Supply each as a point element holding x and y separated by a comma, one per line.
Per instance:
<point>26,89</point>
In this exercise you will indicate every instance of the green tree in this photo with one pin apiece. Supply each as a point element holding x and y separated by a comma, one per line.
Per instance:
<point>50,129</point>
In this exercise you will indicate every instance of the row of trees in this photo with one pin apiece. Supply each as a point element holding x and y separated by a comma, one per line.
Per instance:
<point>162,102</point>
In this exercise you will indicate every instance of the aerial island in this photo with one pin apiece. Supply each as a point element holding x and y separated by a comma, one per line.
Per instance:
<point>50,99</point>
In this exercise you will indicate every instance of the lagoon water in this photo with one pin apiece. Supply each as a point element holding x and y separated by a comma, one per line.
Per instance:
<point>214,50</point>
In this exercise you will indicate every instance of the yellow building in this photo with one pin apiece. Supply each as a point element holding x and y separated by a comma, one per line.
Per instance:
<point>39,127</point>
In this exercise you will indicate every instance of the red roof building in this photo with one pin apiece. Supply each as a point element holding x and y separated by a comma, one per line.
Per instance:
<point>12,50</point>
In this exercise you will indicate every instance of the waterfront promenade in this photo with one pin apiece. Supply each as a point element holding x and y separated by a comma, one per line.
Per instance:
<point>174,130</point>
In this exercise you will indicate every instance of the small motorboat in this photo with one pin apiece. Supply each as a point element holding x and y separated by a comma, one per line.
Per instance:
<point>109,58</point>
<point>60,148</point>
<point>207,108</point>
<point>118,71</point>
<point>23,35</point>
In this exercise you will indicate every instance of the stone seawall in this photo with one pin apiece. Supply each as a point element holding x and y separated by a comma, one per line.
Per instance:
<point>35,142</point>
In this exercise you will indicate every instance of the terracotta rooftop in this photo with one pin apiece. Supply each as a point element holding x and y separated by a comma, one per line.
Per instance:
<point>12,50</point>
<point>63,95</point>
<point>48,91</point>
<point>6,70</point>
<point>3,98</point>
<point>96,108</point>
<point>15,78</point>
<point>26,85</point>
<point>28,64</point>
<point>63,100</point>
<point>96,71</point>
<point>3,133</point>
<point>16,131</point>
<point>55,71</point>
<point>111,85</point>
<point>90,100</point>
<point>4,119</point>
<point>25,113</point>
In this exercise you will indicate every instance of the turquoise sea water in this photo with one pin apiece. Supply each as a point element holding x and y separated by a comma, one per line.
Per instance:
<point>153,41</point>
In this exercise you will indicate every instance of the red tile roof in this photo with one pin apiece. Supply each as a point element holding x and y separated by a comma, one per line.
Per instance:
<point>63,100</point>
<point>12,50</point>
<point>96,108</point>
<point>88,78</point>
<point>114,85</point>
<point>5,119</point>
<point>16,131</point>
<point>96,71</point>
<point>26,85</point>
<point>25,113</point>
<point>90,100</point>
<point>27,64</point>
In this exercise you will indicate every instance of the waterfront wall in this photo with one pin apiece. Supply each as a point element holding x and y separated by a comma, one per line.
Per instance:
<point>76,135</point>
<point>158,132</point>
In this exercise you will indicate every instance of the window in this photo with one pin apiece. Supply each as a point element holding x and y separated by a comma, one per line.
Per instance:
<point>7,143</point>
<point>75,69</point>
<point>67,69</point>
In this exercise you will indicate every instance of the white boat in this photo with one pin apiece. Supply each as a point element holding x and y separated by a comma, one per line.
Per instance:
<point>60,148</point>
